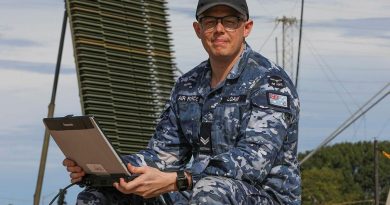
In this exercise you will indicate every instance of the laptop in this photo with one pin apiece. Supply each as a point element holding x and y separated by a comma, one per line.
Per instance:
<point>81,140</point>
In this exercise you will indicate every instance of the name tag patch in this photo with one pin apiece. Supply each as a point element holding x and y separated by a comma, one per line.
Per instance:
<point>233,99</point>
<point>278,100</point>
<point>188,98</point>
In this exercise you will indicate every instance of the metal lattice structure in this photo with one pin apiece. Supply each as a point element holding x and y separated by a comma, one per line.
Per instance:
<point>124,66</point>
<point>288,26</point>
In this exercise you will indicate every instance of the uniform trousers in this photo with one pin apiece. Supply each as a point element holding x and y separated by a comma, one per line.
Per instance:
<point>211,190</point>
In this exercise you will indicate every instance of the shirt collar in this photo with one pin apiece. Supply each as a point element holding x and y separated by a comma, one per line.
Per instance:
<point>240,64</point>
<point>234,73</point>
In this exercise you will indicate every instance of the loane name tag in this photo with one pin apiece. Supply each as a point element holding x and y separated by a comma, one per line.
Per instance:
<point>233,99</point>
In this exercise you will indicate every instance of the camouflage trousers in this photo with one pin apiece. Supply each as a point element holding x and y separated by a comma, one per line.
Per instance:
<point>209,190</point>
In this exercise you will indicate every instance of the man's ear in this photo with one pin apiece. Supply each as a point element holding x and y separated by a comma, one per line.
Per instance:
<point>248,27</point>
<point>197,28</point>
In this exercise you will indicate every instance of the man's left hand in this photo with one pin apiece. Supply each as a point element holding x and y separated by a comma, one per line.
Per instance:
<point>151,182</point>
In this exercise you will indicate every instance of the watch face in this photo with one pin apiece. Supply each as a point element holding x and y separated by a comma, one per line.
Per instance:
<point>181,181</point>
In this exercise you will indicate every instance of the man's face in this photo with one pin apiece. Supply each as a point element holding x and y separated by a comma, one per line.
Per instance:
<point>219,41</point>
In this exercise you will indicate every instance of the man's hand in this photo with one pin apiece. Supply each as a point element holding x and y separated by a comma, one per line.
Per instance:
<point>151,182</point>
<point>76,172</point>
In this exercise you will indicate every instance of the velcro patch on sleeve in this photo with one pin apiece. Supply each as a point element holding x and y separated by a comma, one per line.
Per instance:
<point>276,81</point>
<point>278,100</point>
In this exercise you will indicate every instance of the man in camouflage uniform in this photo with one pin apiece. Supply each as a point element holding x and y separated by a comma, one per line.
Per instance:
<point>235,115</point>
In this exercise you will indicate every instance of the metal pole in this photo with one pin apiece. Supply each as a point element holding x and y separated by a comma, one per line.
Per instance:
<point>361,111</point>
<point>299,44</point>
<point>178,70</point>
<point>277,52</point>
<point>376,177</point>
<point>51,107</point>
<point>284,42</point>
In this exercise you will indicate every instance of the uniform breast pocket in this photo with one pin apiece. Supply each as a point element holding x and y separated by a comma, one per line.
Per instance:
<point>189,114</point>
<point>231,116</point>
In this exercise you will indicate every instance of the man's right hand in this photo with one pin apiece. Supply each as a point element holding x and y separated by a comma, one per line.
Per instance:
<point>76,172</point>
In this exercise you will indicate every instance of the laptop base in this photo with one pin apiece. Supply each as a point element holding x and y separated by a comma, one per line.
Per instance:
<point>91,180</point>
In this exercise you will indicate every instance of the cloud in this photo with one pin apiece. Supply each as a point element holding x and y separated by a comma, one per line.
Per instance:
<point>18,42</point>
<point>360,27</point>
<point>186,11</point>
<point>4,28</point>
<point>26,4</point>
<point>35,67</point>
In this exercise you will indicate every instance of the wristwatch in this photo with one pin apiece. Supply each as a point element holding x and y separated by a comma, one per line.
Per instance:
<point>181,181</point>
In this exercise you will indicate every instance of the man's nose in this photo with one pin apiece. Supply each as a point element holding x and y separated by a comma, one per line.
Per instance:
<point>219,27</point>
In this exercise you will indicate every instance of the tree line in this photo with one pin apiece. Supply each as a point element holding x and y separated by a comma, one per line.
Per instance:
<point>344,173</point>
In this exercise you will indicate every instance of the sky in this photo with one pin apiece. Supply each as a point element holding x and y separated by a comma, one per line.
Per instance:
<point>344,62</point>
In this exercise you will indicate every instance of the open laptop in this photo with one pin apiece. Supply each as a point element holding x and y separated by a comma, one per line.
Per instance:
<point>81,140</point>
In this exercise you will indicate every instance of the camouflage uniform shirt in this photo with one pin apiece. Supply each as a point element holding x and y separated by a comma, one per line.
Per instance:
<point>246,128</point>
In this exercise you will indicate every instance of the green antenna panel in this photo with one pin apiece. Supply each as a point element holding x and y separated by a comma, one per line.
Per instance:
<point>124,66</point>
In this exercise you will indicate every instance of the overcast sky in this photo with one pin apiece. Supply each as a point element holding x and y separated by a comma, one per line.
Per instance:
<point>345,61</point>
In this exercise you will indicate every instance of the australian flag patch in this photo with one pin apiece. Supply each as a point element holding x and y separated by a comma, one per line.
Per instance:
<point>278,100</point>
